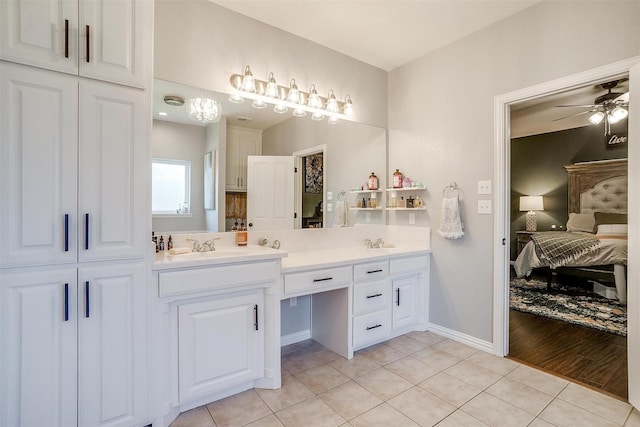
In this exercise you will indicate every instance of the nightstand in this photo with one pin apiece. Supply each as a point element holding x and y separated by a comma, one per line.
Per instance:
<point>523,238</point>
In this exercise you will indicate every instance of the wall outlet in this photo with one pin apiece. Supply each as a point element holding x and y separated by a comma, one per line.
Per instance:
<point>329,207</point>
<point>412,218</point>
<point>293,301</point>
<point>484,187</point>
<point>329,195</point>
<point>367,217</point>
<point>484,207</point>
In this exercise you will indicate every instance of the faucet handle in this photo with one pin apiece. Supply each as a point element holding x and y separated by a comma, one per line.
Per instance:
<point>263,241</point>
<point>368,242</point>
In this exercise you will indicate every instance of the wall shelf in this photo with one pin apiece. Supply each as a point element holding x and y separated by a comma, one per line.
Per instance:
<point>365,209</point>
<point>364,191</point>
<point>407,209</point>
<point>407,189</point>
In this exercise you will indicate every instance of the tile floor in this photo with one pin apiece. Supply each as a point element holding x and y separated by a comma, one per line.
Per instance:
<point>418,379</point>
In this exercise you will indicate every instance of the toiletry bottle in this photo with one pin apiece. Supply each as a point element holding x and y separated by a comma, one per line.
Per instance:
<point>358,203</point>
<point>235,226</point>
<point>406,182</point>
<point>417,203</point>
<point>169,243</point>
<point>402,203</point>
<point>241,235</point>
<point>161,244</point>
<point>154,239</point>
<point>397,179</point>
<point>364,202</point>
<point>394,199</point>
<point>373,181</point>
<point>409,202</point>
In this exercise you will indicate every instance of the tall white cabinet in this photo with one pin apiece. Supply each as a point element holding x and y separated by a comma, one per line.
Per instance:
<point>74,216</point>
<point>241,143</point>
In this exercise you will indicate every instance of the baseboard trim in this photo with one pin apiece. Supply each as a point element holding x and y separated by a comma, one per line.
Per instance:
<point>483,345</point>
<point>295,337</point>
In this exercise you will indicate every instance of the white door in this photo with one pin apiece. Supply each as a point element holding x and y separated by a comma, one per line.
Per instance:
<point>404,301</point>
<point>114,40</point>
<point>112,359</point>
<point>112,190</point>
<point>38,349</point>
<point>220,344</point>
<point>40,33</point>
<point>38,160</point>
<point>270,184</point>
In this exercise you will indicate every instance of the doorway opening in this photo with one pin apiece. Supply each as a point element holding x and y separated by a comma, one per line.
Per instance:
<point>310,187</point>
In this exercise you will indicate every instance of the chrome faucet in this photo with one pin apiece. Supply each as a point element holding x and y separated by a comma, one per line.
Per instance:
<point>368,243</point>
<point>207,246</point>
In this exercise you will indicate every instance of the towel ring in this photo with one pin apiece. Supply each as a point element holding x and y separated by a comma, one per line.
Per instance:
<point>453,186</point>
<point>341,195</point>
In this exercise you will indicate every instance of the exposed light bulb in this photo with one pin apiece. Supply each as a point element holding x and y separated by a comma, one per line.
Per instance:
<point>332,103</point>
<point>294,94</point>
<point>272,88</point>
<point>348,106</point>
<point>314,100</point>
<point>619,113</point>
<point>248,82</point>
<point>596,117</point>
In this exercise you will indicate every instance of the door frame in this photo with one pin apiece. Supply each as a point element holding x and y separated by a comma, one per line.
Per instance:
<point>502,154</point>
<point>298,157</point>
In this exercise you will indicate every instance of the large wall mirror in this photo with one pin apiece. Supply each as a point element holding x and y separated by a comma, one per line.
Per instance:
<point>333,158</point>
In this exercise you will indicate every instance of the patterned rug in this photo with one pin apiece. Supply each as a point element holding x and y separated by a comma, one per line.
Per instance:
<point>570,304</point>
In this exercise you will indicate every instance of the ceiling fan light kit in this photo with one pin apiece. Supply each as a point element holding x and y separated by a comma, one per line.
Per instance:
<point>283,98</point>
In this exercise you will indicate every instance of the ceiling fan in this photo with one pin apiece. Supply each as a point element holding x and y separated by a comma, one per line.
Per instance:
<point>610,107</point>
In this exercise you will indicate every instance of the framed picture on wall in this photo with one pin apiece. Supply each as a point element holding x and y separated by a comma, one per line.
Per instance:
<point>313,173</point>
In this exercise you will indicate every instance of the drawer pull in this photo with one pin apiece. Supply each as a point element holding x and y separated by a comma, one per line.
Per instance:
<point>323,279</point>
<point>374,296</point>
<point>374,271</point>
<point>86,299</point>
<point>373,327</point>
<point>86,231</point>
<point>66,232</point>
<point>87,28</point>
<point>66,38</point>
<point>398,293</point>
<point>255,312</point>
<point>66,302</point>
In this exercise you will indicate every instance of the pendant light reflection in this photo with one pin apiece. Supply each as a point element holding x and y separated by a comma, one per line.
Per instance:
<point>204,110</point>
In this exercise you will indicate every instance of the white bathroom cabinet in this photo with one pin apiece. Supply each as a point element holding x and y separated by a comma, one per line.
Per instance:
<point>100,39</point>
<point>73,347</point>
<point>72,158</point>
<point>241,143</point>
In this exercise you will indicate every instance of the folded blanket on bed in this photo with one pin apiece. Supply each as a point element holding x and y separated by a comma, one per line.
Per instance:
<point>560,248</point>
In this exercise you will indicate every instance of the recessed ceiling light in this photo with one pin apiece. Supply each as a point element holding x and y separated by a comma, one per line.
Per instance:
<point>162,113</point>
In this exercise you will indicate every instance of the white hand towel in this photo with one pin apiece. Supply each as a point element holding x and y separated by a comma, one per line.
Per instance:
<point>340,213</point>
<point>450,225</point>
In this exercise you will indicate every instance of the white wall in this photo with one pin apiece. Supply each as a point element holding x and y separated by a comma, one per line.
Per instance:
<point>441,127</point>
<point>353,151</point>
<point>182,142</point>
<point>202,44</point>
<point>216,137</point>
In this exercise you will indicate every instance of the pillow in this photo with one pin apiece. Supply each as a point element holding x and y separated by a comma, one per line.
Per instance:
<point>612,229</point>
<point>610,218</point>
<point>581,222</point>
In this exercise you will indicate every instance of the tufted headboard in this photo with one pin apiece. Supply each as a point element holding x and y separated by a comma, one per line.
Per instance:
<point>598,186</point>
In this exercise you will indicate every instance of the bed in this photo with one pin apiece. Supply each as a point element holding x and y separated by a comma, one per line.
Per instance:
<point>596,235</point>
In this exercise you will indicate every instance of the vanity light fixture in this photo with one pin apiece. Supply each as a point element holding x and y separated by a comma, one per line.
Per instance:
<point>284,98</point>
<point>204,110</point>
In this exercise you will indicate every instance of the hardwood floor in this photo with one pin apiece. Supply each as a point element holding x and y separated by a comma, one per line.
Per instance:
<point>594,358</point>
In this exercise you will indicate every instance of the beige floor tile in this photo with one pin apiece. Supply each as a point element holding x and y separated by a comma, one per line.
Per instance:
<point>450,389</point>
<point>268,421</point>
<point>383,416</point>
<point>520,395</point>
<point>461,419</point>
<point>437,358</point>
<point>406,344</point>
<point>355,367</point>
<point>383,383</point>
<point>495,412</point>
<point>291,392</point>
<point>312,412</point>
<point>633,420</point>
<point>564,414</point>
<point>198,417</point>
<point>381,354</point>
<point>461,351</point>
<point>473,374</point>
<point>539,422</point>
<point>421,406</point>
<point>350,400</point>
<point>499,365</point>
<point>426,337</point>
<point>238,409</point>
<point>411,369</point>
<point>321,378</point>
<point>597,403</point>
<point>299,361</point>
<point>539,380</point>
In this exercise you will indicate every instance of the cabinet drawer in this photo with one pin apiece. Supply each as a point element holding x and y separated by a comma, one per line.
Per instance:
<point>370,270</point>
<point>371,296</point>
<point>370,328</point>
<point>408,265</point>
<point>212,278</point>
<point>313,281</point>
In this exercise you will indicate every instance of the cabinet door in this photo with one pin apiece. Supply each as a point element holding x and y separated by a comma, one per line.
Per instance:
<point>114,39</point>
<point>38,349</point>
<point>220,344</point>
<point>250,144</point>
<point>113,161</point>
<point>232,166</point>
<point>40,33</point>
<point>38,159</point>
<point>405,301</point>
<point>112,359</point>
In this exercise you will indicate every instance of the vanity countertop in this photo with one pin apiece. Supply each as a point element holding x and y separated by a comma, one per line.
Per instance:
<point>299,261</point>
<point>222,255</point>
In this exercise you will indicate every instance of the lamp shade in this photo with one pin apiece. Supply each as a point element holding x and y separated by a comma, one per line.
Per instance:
<point>531,203</point>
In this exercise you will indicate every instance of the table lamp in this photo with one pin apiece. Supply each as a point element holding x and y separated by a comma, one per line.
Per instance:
<point>531,204</point>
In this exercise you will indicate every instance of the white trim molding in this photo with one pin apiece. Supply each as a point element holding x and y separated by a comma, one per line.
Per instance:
<point>474,342</point>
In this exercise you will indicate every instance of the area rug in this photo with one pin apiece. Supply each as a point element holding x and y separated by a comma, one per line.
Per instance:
<point>569,304</point>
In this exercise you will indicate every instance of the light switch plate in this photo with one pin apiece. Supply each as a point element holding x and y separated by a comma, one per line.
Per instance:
<point>329,195</point>
<point>329,207</point>
<point>484,207</point>
<point>484,187</point>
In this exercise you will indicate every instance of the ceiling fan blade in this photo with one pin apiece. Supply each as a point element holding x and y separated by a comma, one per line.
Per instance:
<point>578,106</point>
<point>573,115</point>
<point>624,98</point>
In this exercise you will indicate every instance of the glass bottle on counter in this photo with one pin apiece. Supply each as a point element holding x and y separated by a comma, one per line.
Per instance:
<point>397,179</point>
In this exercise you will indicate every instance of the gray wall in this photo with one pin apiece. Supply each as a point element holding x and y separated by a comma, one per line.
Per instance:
<point>537,168</point>
<point>441,127</point>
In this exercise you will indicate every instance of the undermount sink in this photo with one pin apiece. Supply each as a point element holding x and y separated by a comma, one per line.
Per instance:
<point>218,253</point>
